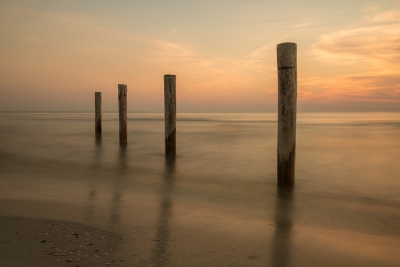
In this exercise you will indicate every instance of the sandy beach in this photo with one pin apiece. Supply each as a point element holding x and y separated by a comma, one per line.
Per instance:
<point>69,200</point>
<point>212,241</point>
<point>31,242</point>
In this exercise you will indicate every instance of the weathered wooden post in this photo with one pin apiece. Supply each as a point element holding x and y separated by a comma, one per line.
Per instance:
<point>170,114</point>
<point>287,103</point>
<point>97,108</point>
<point>122,104</point>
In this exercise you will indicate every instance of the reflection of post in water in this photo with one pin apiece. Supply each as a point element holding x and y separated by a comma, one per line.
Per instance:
<point>160,255</point>
<point>118,184</point>
<point>90,202</point>
<point>97,151</point>
<point>122,158</point>
<point>98,139</point>
<point>281,241</point>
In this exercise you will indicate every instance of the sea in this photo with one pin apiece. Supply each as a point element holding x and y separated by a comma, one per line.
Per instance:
<point>217,203</point>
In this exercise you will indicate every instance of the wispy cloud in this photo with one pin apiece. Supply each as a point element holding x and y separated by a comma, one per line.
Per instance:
<point>387,16</point>
<point>257,60</point>
<point>174,30</point>
<point>373,49</point>
<point>373,45</point>
<point>368,87</point>
<point>173,49</point>
<point>243,66</point>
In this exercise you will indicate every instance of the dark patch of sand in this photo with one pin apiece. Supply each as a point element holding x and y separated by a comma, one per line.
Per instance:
<point>32,242</point>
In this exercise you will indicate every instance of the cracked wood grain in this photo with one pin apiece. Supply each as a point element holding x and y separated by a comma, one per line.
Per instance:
<point>122,104</point>
<point>97,108</point>
<point>170,114</point>
<point>287,106</point>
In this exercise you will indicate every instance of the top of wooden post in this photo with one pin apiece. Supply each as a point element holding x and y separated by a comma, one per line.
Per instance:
<point>286,46</point>
<point>122,89</point>
<point>169,75</point>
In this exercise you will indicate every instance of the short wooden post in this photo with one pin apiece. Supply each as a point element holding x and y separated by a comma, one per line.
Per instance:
<point>122,104</point>
<point>97,108</point>
<point>170,114</point>
<point>287,103</point>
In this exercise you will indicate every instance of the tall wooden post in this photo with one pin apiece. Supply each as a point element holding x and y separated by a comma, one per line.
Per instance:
<point>97,108</point>
<point>122,104</point>
<point>287,104</point>
<point>170,114</point>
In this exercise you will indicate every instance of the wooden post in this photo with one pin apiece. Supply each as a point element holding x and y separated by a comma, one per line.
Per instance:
<point>122,104</point>
<point>170,114</point>
<point>287,103</point>
<point>97,108</point>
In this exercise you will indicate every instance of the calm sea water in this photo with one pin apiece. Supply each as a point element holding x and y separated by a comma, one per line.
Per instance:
<point>347,177</point>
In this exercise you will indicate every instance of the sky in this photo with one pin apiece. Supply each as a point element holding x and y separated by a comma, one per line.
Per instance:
<point>55,54</point>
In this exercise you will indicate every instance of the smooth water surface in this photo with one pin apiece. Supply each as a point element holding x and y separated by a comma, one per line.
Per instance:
<point>217,204</point>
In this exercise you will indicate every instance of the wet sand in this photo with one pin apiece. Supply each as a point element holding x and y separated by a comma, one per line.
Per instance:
<point>190,234</point>
<point>32,242</point>
<point>216,205</point>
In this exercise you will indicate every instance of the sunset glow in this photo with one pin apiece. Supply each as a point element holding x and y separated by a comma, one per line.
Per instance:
<point>55,55</point>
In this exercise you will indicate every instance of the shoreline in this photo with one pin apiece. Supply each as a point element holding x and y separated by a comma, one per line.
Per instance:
<point>58,236</point>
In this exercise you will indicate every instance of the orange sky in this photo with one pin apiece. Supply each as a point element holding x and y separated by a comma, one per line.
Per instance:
<point>55,55</point>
